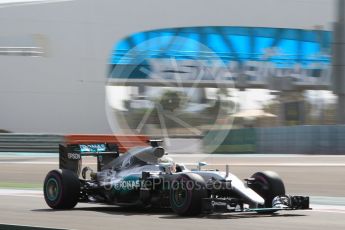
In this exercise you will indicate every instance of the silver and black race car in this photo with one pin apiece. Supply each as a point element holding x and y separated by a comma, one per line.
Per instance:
<point>147,177</point>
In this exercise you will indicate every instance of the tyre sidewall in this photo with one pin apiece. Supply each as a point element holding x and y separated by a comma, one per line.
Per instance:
<point>195,194</point>
<point>68,189</point>
<point>57,176</point>
<point>271,185</point>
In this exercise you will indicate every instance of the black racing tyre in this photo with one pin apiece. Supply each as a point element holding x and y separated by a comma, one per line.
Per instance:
<point>268,185</point>
<point>186,194</point>
<point>61,189</point>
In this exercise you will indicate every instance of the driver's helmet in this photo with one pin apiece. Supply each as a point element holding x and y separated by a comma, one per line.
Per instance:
<point>167,164</point>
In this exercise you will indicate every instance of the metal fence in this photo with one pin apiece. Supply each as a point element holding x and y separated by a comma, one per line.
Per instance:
<point>46,143</point>
<point>313,139</point>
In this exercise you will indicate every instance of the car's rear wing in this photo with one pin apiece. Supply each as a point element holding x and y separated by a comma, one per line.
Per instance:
<point>104,147</point>
<point>70,155</point>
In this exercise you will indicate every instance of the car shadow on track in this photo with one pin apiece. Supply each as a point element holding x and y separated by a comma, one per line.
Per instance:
<point>235,216</point>
<point>114,210</point>
<point>167,213</point>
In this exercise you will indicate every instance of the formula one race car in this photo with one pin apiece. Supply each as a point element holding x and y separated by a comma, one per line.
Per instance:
<point>145,176</point>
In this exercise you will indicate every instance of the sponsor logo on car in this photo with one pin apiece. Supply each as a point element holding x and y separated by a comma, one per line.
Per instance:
<point>73,156</point>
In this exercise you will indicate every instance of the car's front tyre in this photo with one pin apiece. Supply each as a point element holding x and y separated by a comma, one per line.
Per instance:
<point>268,185</point>
<point>186,194</point>
<point>61,189</point>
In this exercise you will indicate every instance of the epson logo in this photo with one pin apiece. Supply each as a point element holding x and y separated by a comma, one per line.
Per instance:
<point>73,156</point>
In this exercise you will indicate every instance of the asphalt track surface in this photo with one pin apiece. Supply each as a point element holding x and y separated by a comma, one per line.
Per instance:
<point>321,177</point>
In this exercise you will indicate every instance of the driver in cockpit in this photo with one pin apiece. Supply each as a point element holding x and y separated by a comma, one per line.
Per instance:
<point>167,164</point>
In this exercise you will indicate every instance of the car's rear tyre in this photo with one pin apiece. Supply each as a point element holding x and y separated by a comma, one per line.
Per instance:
<point>268,185</point>
<point>61,189</point>
<point>186,194</point>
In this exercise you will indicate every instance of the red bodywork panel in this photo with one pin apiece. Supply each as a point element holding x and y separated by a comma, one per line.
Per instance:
<point>124,142</point>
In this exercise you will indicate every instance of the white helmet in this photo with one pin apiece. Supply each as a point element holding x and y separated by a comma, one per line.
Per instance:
<point>167,164</point>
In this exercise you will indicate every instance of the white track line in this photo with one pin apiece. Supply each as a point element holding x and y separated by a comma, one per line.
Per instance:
<point>21,193</point>
<point>30,162</point>
<point>328,208</point>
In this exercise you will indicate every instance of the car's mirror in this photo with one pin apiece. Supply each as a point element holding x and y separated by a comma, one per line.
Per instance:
<point>201,164</point>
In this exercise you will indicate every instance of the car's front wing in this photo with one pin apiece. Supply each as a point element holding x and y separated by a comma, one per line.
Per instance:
<point>210,205</point>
